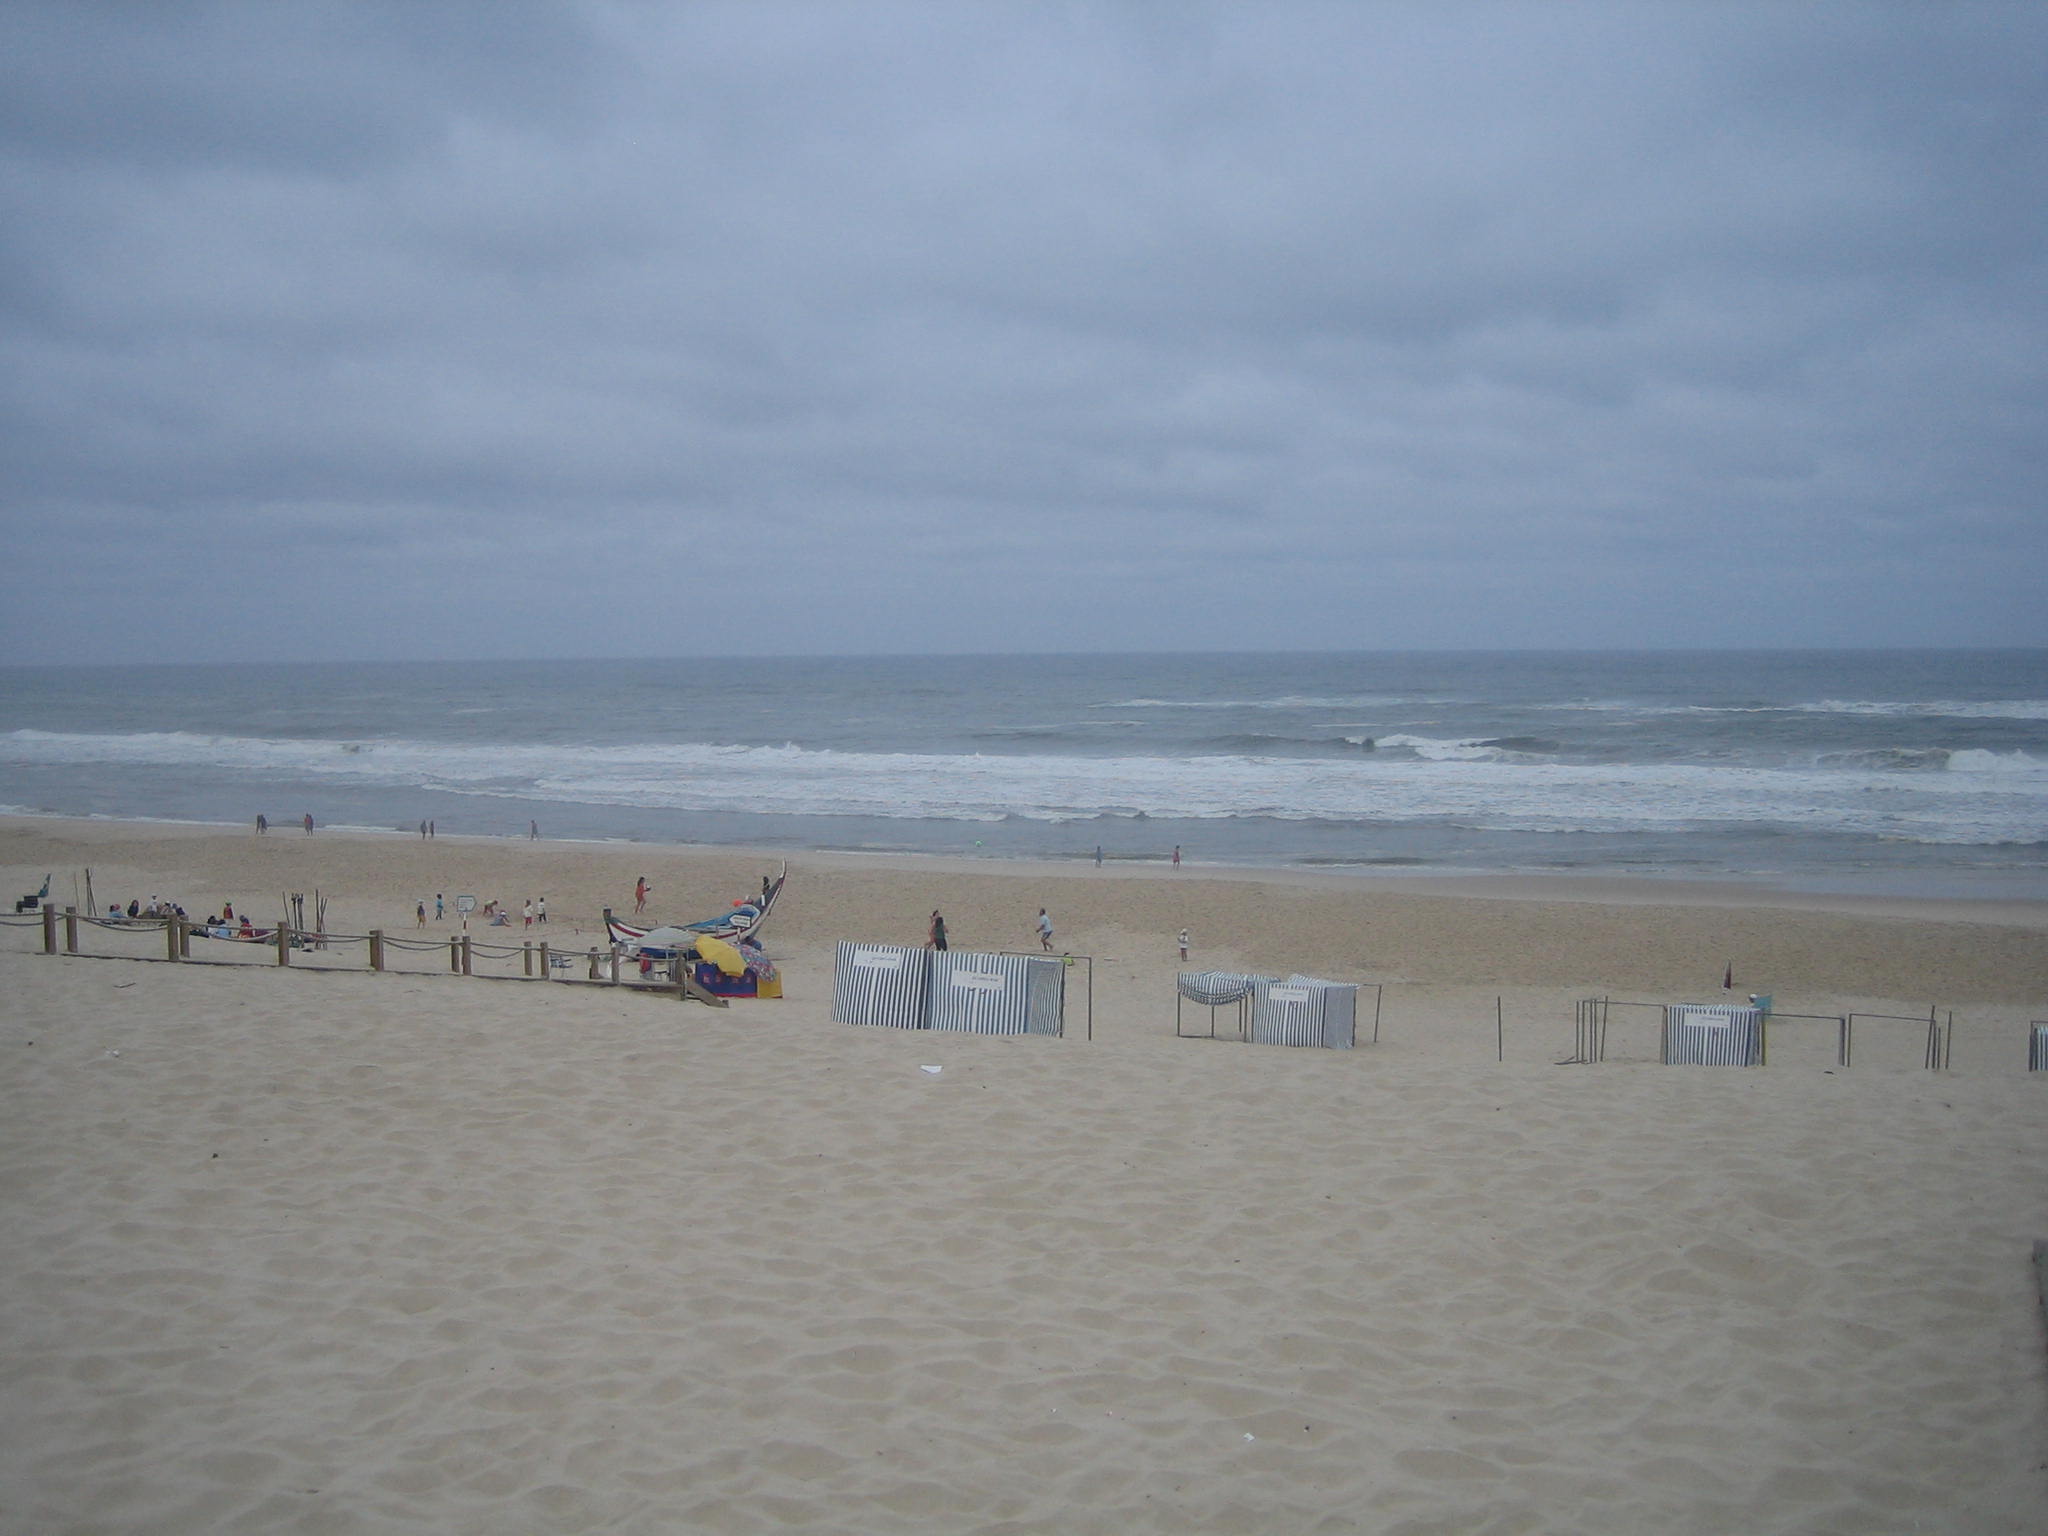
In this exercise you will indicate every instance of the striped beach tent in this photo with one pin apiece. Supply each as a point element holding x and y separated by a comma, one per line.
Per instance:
<point>881,984</point>
<point>997,994</point>
<point>1712,1035</point>
<point>1304,1011</point>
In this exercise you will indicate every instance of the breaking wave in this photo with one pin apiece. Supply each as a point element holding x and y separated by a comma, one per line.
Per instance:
<point>1980,797</point>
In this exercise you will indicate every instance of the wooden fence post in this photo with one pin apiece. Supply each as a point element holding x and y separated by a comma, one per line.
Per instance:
<point>50,930</point>
<point>455,954</point>
<point>526,955</point>
<point>71,930</point>
<point>171,937</point>
<point>468,957</point>
<point>547,964</point>
<point>376,949</point>
<point>284,942</point>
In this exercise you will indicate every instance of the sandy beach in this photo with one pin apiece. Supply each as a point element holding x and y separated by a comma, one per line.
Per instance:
<point>316,1249</point>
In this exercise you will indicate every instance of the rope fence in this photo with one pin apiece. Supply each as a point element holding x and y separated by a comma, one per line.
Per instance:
<point>282,943</point>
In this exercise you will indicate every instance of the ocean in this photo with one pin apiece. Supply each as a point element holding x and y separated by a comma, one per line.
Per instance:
<point>1896,772</point>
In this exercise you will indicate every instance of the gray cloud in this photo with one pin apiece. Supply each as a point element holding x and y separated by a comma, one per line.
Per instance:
<point>586,328</point>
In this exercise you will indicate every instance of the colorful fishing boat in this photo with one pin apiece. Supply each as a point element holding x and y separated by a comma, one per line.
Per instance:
<point>744,919</point>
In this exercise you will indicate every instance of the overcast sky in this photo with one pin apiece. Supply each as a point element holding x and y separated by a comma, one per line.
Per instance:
<point>508,329</point>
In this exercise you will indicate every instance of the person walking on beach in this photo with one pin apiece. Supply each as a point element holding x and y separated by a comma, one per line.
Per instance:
<point>1044,931</point>
<point>527,912</point>
<point>1176,855</point>
<point>938,934</point>
<point>541,913</point>
<point>533,831</point>
<point>1183,946</point>
<point>309,823</point>
<point>640,895</point>
<point>439,910</point>
<point>1098,855</point>
<point>262,822</point>
<point>421,916</point>
<point>423,831</point>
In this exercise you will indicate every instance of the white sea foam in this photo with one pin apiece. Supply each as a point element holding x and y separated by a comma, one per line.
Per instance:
<point>1284,701</point>
<point>1990,798</point>
<point>1982,709</point>
<point>1890,709</point>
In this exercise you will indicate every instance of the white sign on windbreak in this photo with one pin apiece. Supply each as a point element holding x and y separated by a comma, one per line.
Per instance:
<point>1288,994</point>
<point>878,959</point>
<point>979,981</point>
<point>1706,1018</point>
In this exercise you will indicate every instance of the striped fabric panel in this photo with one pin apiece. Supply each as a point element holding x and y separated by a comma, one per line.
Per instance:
<point>1214,988</point>
<point>1720,1035</point>
<point>2037,1049</point>
<point>881,984</point>
<point>996,994</point>
<point>1045,997</point>
<point>1303,1011</point>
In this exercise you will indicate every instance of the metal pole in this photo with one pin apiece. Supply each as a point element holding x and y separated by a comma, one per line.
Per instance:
<point>1500,1036</point>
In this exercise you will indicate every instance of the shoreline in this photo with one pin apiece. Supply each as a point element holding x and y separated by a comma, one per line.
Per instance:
<point>1597,936</point>
<point>1600,887</point>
